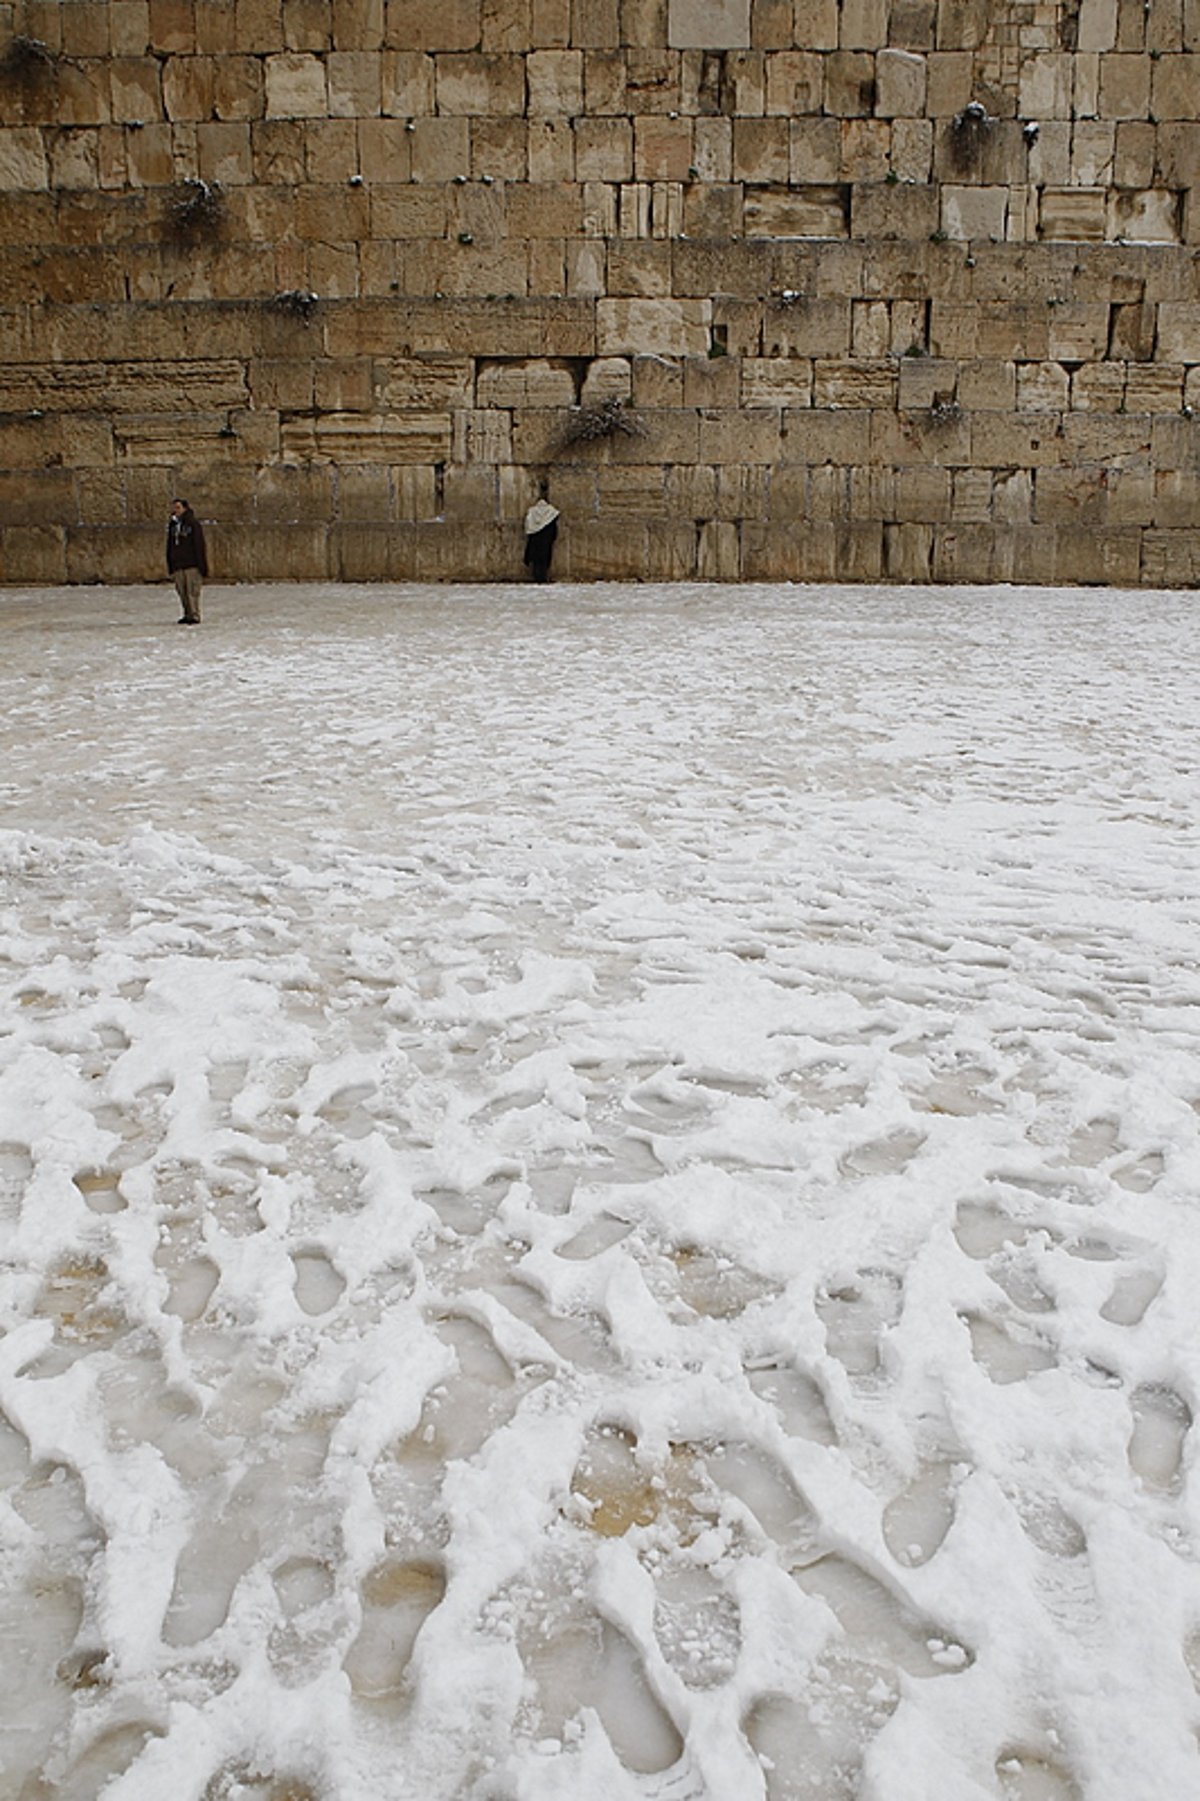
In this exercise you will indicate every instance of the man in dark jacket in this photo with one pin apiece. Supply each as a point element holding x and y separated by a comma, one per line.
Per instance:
<point>187,559</point>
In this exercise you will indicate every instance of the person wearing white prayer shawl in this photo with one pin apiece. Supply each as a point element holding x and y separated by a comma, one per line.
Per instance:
<point>541,529</point>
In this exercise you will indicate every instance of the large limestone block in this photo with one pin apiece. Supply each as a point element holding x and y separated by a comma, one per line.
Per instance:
<point>34,554</point>
<point>1155,388</point>
<point>864,24</point>
<point>900,79</point>
<point>850,84</point>
<point>121,387</point>
<point>720,268</point>
<point>375,438</point>
<point>708,24</point>
<point>740,436</point>
<point>407,83</point>
<point>296,86</point>
<point>22,159</point>
<point>1047,87</point>
<point>480,85</point>
<point>804,212</point>
<point>1097,26</point>
<point>224,155</point>
<point>1175,89</point>
<point>868,383</point>
<point>355,83</point>
<point>670,551</point>
<point>803,327</point>
<point>358,24</point>
<point>662,149</point>
<point>815,151</point>
<point>603,149</point>
<point>1171,559</point>
<point>1015,441</point>
<point>1073,213</point>
<point>795,83</point>
<point>596,551</point>
<point>441,149</point>
<point>1124,87</point>
<point>409,212</point>
<point>880,209</point>
<point>1085,555</point>
<point>1078,332</point>
<point>1179,331</point>
<point>652,327</point>
<point>633,491</point>
<point>974,212</point>
<point>555,82</point>
<point>433,24</point>
<point>1042,388</point>
<point>1152,216</point>
<point>534,382</point>
<point>425,383</point>
<point>776,381</point>
<point>761,150</point>
<point>135,87</point>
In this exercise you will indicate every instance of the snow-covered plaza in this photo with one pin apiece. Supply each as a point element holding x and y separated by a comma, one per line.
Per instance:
<point>600,1195</point>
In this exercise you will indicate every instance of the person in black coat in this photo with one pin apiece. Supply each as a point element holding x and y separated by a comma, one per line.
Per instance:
<point>187,559</point>
<point>541,529</point>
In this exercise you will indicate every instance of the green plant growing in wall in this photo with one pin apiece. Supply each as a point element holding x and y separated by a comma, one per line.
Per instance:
<point>196,209</point>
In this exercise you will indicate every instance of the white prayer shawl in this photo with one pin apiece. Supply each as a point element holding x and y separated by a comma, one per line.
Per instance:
<point>540,514</point>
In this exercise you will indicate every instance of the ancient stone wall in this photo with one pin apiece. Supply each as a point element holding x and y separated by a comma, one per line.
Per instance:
<point>796,289</point>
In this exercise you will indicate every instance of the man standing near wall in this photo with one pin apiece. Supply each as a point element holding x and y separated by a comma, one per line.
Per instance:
<point>187,559</point>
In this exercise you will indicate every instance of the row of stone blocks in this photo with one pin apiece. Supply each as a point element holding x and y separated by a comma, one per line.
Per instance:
<point>803,551</point>
<point>669,84</point>
<point>397,180</point>
<point>1128,494</point>
<point>946,437</point>
<point>94,28</point>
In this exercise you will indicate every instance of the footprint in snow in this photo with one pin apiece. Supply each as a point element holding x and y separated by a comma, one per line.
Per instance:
<point>1161,1422</point>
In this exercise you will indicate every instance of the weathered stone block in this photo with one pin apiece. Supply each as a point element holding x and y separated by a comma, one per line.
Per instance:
<point>135,86</point>
<point>355,83</point>
<point>603,149</point>
<point>805,212</point>
<point>850,84</point>
<point>1004,441</point>
<point>555,82</point>
<point>974,212</point>
<point>441,149</point>
<point>883,210</point>
<point>801,327</point>
<point>1152,216</point>
<point>777,381</point>
<point>708,24</point>
<point>652,327</point>
<point>867,383</point>
<point>33,554</point>
<point>638,269</point>
<point>949,76</point>
<point>900,83</point>
<point>1097,25</point>
<point>1173,90</point>
<point>815,151</point>
<point>988,386</point>
<point>22,159</point>
<point>1085,555</point>
<point>595,24</point>
<point>378,438</point>
<point>794,83</point>
<point>662,149</point>
<point>296,86</point>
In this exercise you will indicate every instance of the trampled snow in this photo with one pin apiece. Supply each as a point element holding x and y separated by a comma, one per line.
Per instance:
<point>599,1195</point>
